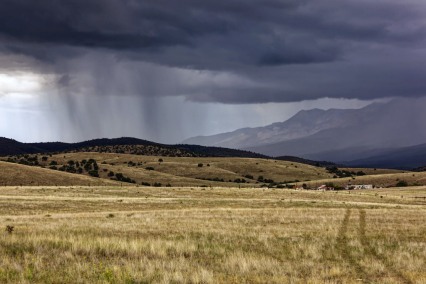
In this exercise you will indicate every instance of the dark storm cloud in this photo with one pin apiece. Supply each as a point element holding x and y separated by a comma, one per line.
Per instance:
<point>290,50</point>
<point>240,29</point>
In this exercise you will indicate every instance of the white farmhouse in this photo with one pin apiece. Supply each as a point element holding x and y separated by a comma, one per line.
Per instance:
<point>359,186</point>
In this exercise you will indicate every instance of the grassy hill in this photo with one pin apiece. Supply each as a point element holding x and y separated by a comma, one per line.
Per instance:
<point>176,171</point>
<point>378,180</point>
<point>189,171</point>
<point>15,174</point>
<point>82,168</point>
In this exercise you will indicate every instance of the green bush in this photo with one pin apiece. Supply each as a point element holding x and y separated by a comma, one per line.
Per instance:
<point>93,173</point>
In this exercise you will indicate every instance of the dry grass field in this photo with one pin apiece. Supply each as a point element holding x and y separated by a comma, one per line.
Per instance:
<point>189,171</point>
<point>176,171</point>
<point>372,171</point>
<point>110,234</point>
<point>379,180</point>
<point>183,169</point>
<point>15,174</point>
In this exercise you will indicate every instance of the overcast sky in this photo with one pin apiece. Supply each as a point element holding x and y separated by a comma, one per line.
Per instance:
<point>168,70</point>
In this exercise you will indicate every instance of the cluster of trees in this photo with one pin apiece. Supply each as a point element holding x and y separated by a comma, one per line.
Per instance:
<point>120,177</point>
<point>240,180</point>
<point>24,160</point>
<point>343,173</point>
<point>245,180</point>
<point>264,180</point>
<point>145,150</point>
<point>401,183</point>
<point>90,166</point>
<point>214,179</point>
<point>132,164</point>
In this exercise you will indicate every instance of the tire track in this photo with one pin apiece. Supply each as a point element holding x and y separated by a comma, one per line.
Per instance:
<point>369,249</point>
<point>345,250</point>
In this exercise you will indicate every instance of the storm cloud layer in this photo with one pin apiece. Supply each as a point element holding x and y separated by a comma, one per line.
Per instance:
<point>233,52</point>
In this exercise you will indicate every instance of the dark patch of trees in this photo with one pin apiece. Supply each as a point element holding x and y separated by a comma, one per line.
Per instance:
<point>343,173</point>
<point>122,178</point>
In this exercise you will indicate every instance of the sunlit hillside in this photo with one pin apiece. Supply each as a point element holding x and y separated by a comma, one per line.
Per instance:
<point>176,171</point>
<point>15,174</point>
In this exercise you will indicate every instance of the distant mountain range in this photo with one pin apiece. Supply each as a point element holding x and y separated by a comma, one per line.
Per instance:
<point>402,158</point>
<point>121,145</point>
<point>354,136</point>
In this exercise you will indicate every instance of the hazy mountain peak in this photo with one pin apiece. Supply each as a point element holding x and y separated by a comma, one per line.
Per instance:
<point>397,123</point>
<point>302,124</point>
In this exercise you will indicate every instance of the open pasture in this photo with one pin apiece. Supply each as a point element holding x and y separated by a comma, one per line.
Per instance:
<point>219,235</point>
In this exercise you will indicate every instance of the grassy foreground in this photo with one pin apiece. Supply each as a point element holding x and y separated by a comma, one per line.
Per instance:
<point>203,235</point>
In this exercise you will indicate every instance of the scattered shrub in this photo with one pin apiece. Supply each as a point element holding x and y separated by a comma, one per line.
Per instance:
<point>402,183</point>
<point>93,173</point>
<point>121,177</point>
<point>9,229</point>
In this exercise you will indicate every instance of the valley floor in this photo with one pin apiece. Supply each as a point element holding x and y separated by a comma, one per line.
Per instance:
<point>211,235</point>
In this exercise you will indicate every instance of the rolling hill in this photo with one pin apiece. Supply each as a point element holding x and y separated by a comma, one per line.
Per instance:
<point>378,180</point>
<point>171,171</point>
<point>22,175</point>
<point>94,168</point>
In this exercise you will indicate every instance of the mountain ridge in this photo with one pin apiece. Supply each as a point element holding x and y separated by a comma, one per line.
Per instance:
<point>336,134</point>
<point>302,124</point>
<point>13,147</point>
<point>405,158</point>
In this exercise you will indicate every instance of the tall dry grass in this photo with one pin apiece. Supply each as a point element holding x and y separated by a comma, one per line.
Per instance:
<point>135,235</point>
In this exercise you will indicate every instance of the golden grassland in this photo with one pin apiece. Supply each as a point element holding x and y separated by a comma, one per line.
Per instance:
<point>111,234</point>
<point>183,169</point>
<point>15,174</point>
<point>374,171</point>
<point>379,180</point>
<point>176,171</point>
